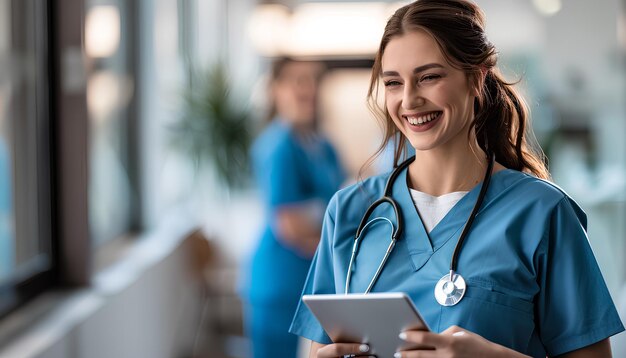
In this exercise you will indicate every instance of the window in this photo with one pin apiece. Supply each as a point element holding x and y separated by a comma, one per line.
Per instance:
<point>112,193</point>
<point>26,263</point>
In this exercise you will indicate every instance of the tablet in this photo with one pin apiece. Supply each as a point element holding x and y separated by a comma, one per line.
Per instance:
<point>374,318</point>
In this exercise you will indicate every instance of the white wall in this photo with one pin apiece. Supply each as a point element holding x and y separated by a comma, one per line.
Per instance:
<point>147,305</point>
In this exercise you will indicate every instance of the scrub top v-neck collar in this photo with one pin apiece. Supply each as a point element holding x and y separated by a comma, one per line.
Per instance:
<point>420,244</point>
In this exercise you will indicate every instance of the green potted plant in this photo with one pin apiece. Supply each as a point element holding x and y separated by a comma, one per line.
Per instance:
<point>214,128</point>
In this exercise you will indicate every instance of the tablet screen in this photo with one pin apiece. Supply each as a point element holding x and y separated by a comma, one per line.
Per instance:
<point>374,318</point>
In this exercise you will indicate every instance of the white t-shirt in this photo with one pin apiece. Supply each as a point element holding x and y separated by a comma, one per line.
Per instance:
<point>434,208</point>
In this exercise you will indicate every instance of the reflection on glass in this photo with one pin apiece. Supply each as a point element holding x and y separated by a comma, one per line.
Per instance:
<point>109,92</point>
<point>7,236</point>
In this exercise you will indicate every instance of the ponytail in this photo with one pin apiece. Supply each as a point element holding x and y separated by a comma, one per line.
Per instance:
<point>500,124</point>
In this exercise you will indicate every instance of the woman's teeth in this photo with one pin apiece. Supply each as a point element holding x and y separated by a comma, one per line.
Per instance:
<point>422,119</point>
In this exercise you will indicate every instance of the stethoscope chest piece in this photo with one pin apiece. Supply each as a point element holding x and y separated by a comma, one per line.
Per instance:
<point>450,292</point>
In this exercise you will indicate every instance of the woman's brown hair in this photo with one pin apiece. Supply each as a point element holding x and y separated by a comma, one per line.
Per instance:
<point>500,113</point>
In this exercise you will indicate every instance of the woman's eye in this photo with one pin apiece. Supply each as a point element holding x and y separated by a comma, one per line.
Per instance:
<point>392,83</point>
<point>428,78</point>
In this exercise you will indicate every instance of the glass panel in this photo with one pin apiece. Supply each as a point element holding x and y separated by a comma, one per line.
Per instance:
<point>109,94</point>
<point>25,247</point>
<point>7,222</point>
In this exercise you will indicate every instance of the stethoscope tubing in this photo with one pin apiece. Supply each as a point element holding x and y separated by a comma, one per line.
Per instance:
<point>355,249</point>
<point>470,220</point>
<point>397,231</point>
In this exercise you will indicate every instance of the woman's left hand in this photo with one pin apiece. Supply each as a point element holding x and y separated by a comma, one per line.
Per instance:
<point>454,342</point>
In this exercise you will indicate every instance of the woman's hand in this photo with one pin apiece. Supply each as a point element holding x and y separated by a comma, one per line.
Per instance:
<point>454,342</point>
<point>338,350</point>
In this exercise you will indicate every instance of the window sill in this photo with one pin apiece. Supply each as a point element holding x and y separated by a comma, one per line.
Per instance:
<point>45,320</point>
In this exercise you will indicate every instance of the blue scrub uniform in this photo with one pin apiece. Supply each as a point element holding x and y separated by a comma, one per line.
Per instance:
<point>533,283</point>
<point>289,171</point>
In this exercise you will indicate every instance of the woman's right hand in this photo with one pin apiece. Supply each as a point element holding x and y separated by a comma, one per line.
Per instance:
<point>338,350</point>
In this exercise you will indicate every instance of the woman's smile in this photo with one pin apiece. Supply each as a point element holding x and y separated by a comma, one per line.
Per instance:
<point>420,122</point>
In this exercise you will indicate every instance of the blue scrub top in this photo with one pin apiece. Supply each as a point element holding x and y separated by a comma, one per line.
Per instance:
<point>533,283</point>
<point>289,170</point>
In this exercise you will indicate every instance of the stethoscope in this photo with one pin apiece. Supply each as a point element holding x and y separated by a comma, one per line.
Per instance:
<point>451,287</point>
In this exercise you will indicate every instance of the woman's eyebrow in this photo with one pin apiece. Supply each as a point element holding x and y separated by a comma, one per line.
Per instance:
<point>415,70</point>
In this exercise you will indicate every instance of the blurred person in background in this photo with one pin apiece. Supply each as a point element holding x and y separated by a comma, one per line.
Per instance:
<point>527,282</point>
<point>297,171</point>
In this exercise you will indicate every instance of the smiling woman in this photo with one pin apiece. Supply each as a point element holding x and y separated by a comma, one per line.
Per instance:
<point>425,93</point>
<point>475,206</point>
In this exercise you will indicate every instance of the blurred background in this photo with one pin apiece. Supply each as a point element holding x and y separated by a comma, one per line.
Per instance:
<point>126,206</point>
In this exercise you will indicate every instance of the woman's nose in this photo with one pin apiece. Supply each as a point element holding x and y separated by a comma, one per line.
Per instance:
<point>411,98</point>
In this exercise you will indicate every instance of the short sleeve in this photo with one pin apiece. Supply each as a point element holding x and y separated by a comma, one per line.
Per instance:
<point>279,175</point>
<point>574,307</point>
<point>320,280</point>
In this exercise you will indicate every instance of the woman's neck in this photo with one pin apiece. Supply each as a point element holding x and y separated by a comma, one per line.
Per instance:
<point>301,128</point>
<point>437,172</point>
